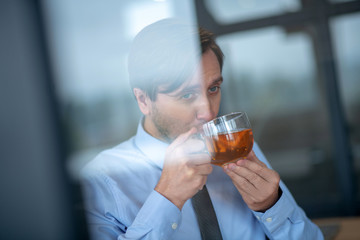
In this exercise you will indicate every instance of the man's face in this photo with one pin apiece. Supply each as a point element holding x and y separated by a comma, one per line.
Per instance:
<point>194,103</point>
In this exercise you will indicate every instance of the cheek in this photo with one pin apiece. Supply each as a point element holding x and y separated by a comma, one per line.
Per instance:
<point>186,114</point>
<point>179,113</point>
<point>215,104</point>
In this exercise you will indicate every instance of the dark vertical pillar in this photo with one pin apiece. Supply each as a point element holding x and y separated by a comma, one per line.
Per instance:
<point>343,159</point>
<point>36,200</point>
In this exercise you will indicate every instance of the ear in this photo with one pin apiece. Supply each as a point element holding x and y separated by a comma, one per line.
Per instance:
<point>143,100</point>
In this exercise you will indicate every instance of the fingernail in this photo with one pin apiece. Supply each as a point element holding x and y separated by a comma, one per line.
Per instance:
<point>231,166</point>
<point>240,162</point>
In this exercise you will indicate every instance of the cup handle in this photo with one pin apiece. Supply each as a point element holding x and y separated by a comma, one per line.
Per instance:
<point>207,144</point>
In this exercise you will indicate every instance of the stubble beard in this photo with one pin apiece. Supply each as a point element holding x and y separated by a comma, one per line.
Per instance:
<point>168,128</point>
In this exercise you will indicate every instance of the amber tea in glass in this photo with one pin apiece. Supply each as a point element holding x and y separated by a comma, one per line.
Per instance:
<point>228,138</point>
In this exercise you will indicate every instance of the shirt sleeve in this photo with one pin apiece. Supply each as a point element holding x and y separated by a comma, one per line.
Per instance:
<point>286,220</point>
<point>158,218</point>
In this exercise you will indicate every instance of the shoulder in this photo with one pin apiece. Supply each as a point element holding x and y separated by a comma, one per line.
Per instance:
<point>118,159</point>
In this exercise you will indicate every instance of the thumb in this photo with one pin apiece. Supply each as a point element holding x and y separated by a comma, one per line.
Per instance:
<point>182,138</point>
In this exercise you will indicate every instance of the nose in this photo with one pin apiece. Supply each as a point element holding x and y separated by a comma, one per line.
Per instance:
<point>204,111</point>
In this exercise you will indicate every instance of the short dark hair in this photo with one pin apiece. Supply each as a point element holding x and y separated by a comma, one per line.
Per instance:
<point>166,53</point>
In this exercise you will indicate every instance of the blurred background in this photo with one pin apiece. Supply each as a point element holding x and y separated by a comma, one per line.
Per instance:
<point>292,65</point>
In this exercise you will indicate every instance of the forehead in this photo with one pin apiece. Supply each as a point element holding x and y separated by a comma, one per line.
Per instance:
<point>207,72</point>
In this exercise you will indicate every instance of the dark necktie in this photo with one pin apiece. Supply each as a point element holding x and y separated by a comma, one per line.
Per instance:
<point>206,217</point>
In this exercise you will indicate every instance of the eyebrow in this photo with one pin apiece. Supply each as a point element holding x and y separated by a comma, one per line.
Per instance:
<point>195,87</point>
<point>218,80</point>
<point>187,89</point>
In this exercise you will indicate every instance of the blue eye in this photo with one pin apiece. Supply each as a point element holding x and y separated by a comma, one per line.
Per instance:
<point>187,96</point>
<point>214,89</point>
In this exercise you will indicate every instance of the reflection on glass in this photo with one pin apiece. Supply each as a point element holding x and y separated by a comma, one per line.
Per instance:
<point>90,40</point>
<point>339,1</point>
<point>346,38</point>
<point>280,64</point>
<point>234,10</point>
<point>272,76</point>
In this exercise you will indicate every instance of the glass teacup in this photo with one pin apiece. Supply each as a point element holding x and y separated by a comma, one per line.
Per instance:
<point>228,138</point>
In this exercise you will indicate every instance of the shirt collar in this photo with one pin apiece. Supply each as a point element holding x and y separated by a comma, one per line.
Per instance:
<point>152,147</point>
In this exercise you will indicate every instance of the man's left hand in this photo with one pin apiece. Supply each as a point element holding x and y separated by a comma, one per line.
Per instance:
<point>257,184</point>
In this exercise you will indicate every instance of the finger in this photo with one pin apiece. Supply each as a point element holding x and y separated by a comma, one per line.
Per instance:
<point>251,176</point>
<point>199,159</point>
<point>193,145</point>
<point>182,138</point>
<point>241,183</point>
<point>203,169</point>
<point>264,172</point>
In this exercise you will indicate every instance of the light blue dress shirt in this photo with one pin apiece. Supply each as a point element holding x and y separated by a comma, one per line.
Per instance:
<point>121,202</point>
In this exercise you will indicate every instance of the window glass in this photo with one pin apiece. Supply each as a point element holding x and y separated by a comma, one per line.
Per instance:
<point>339,1</point>
<point>272,76</point>
<point>234,10</point>
<point>90,40</point>
<point>346,38</point>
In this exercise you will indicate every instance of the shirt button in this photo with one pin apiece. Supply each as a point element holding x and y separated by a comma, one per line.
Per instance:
<point>269,219</point>
<point>174,226</point>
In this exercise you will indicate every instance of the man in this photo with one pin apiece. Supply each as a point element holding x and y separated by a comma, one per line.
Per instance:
<point>142,188</point>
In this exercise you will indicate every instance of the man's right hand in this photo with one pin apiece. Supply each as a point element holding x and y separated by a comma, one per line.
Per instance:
<point>185,169</point>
